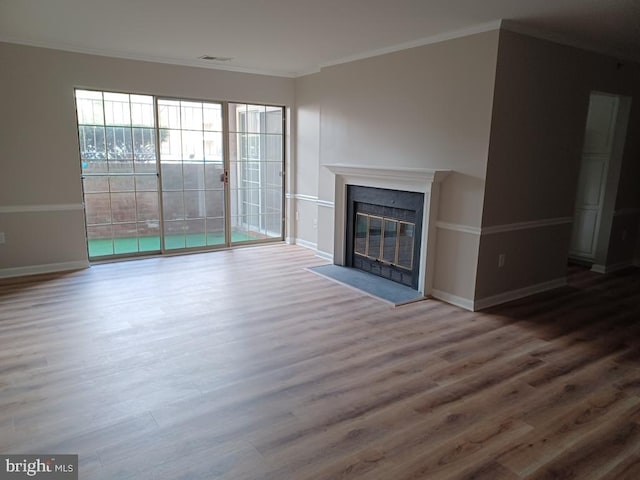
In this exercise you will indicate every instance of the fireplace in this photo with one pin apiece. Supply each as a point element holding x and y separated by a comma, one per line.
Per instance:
<point>408,180</point>
<point>384,232</point>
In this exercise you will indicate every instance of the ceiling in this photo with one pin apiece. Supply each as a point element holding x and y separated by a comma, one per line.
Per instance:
<point>293,37</point>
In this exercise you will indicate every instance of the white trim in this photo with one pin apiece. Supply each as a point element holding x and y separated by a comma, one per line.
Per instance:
<point>626,211</point>
<point>461,302</point>
<point>455,227</point>
<point>102,52</point>
<point>306,244</point>
<point>325,203</point>
<point>511,295</point>
<point>581,257</point>
<point>441,37</point>
<point>421,180</point>
<point>305,198</point>
<point>614,267</point>
<point>507,227</point>
<point>324,255</point>
<point>310,198</point>
<point>417,176</point>
<point>198,63</point>
<point>46,268</point>
<point>512,227</point>
<point>59,207</point>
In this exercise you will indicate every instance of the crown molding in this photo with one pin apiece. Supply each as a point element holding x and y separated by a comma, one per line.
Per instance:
<point>145,58</point>
<point>441,37</point>
<point>505,24</point>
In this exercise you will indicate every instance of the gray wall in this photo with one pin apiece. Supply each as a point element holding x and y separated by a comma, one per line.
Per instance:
<point>427,107</point>
<point>516,154</point>
<point>539,113</point>
<point>40,190</point>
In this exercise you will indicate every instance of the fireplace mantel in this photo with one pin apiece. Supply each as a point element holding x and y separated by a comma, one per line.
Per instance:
<point>397,178</point>
<point>412,175</point>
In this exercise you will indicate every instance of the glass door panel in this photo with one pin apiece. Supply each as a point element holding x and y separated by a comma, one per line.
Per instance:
<point>192,172</point>
<point>156,177</point>
<point>255,172</point>
<point>119,169</point>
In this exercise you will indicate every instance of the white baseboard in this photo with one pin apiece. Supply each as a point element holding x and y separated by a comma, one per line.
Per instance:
<point>611,268</point>
<point>305,244</point>
<point>518,293</point>
<point>325,255</point>
<point>311,246</point>
<point>461,302</point>
<point>46,268</point>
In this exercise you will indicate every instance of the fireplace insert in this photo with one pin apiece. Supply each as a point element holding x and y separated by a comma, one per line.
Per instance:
<point>384,231</point>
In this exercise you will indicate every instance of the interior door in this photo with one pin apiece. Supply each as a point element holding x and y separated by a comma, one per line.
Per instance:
<point>596,155</point>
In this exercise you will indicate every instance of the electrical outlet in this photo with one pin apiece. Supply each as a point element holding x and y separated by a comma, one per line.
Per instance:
<point>315,223</point>
<point>2,239</point>
<point>501,259</point>
<point>297,215</point>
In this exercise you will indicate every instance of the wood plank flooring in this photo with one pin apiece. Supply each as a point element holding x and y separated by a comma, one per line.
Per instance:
<point>243,365</point>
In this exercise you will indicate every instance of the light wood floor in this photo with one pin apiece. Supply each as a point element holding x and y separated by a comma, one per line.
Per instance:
<point>243,365</point>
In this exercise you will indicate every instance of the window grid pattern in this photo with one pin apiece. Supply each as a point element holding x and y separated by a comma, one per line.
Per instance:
<point>192,165</point>
<point>256,141</point>
<point>123,153</point>
<point>117,149</point>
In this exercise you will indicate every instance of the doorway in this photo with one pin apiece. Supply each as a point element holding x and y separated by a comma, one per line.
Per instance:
<point>603,146</point>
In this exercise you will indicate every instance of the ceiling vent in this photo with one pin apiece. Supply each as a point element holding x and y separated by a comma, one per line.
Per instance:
<point>215,59</point>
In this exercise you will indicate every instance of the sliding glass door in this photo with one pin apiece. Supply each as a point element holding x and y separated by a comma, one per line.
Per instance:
<point>256,171</point>
<point>193,173</point>
<point>119,172</point>
<point>164,174</point>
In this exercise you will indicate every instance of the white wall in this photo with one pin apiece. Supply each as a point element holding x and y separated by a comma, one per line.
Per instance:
<point>426,107</point>
<point>40,189</point>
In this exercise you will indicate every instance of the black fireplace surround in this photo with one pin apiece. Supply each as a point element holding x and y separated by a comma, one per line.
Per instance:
<point>384,232</point>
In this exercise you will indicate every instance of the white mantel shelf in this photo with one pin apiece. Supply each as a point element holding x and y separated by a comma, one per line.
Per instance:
<point>396,173</point>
